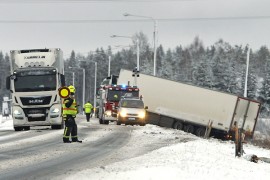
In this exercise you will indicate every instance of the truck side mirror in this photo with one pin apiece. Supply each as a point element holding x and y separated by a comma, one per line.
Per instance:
<point>8,83</point>
<point>146,107</point>
<point>63,82</point>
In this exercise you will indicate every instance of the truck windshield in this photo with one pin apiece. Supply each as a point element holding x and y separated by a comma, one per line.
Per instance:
<point>33,83</point>
<point>132,103</point>
<point>114,95</point>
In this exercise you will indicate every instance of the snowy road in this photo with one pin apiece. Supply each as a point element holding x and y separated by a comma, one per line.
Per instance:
<point>40,153</point>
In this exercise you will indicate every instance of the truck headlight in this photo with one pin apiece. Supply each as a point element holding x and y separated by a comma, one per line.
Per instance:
<point>55,110</point>
<point>17,112</point>
<point>108,113</point>
<point>142,115</point>
<point>123,113</point>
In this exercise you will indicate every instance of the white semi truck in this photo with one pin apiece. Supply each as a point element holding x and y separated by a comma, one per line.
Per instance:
<point>36,76</point>
<point>191,108</point>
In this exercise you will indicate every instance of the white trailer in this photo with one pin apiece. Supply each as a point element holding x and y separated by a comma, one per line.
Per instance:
<point>191,108</point>
<point>36,76</point>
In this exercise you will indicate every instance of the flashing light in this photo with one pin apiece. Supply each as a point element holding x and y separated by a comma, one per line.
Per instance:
<point>124,86</point>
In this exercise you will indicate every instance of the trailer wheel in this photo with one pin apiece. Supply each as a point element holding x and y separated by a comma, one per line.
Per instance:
<point>189,129</point>
<point>200,132</point>
<point>178,125</point>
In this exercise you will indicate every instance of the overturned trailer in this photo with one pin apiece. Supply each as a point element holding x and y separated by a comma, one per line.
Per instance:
<point>191,108</point>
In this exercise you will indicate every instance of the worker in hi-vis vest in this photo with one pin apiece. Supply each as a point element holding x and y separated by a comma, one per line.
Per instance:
<point>88,110</point>
<point>69,113</point>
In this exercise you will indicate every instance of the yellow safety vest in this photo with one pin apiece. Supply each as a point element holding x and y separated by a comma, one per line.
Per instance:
<point>88,107</point>
<point>72,110</point>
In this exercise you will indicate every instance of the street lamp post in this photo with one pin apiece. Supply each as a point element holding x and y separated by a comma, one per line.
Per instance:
<point>109,67</point>
<point>83,99</point>
<point>95,86</point>
<point>95,98</point>
<point>95,95</point>
<point>155,35</point>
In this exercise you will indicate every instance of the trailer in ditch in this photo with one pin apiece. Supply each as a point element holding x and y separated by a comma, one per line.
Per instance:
<point>191,108</point>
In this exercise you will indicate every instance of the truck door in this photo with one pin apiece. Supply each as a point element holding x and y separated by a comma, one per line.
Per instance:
<point>246,114</point>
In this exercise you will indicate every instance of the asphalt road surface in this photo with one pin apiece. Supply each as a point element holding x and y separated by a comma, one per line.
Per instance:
<point>41,154</point>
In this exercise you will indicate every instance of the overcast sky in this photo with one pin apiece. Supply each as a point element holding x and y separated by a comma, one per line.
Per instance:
<point>85,25</point>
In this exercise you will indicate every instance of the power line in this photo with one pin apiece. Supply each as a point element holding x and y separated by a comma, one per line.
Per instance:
<point>78,1</point>
<point>132,20</point>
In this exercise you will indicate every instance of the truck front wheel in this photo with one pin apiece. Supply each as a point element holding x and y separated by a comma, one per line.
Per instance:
<point>26,128</point>
<point>18,128</point>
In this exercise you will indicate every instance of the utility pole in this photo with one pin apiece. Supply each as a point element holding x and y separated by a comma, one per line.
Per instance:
<point>246,79</point>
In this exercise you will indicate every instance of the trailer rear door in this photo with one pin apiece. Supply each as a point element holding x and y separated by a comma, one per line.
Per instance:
<point>246,115</point>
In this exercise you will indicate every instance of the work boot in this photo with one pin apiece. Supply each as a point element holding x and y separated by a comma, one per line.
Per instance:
<point>67,141</point>
<point>78,141</point>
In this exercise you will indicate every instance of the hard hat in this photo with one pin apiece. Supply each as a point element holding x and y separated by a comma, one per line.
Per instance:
<point>72,89</point>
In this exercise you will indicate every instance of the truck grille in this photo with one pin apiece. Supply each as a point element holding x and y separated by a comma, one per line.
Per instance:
<point>36,111</point>
<point>38,100</point>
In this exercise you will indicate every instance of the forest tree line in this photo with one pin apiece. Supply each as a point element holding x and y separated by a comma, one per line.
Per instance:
<point>220,67</point>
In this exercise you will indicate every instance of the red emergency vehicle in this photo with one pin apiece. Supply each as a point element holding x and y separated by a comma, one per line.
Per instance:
<point>110,96</point>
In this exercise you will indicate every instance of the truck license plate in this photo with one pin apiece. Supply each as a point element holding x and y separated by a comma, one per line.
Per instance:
<point>131,119</point>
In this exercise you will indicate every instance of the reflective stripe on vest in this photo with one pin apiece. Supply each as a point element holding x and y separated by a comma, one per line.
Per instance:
<point>72,110</point>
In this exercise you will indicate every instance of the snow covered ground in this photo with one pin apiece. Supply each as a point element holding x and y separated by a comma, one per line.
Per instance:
<point>195,159</point>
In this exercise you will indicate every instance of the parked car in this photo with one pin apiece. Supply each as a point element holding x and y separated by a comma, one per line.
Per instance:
<point>131,111</point>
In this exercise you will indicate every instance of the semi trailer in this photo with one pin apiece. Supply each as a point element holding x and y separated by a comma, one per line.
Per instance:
<point>192,109</point>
